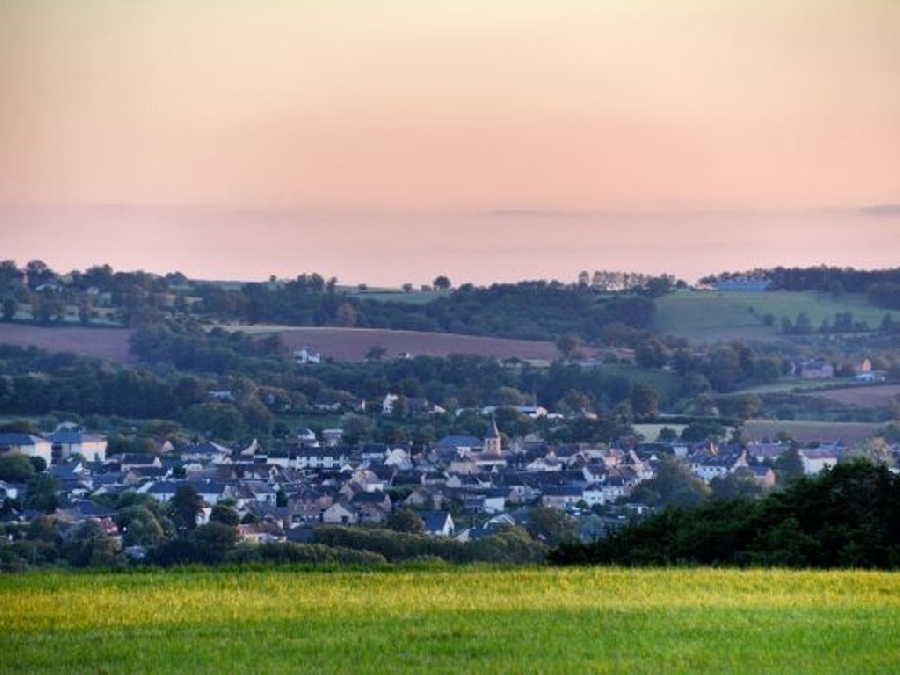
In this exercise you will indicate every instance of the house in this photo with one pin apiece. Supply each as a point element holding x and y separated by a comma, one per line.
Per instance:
<point>134,461</point>
<point>330,458</point>
<point>561,497</point>
<point>387,405</point>
<point>28,445</point>
<point>206,452</point>
<point>307,355</point>
<point>65,444</point>
<point>816,460</point>
<point>262,493</point>
<point>438,523</point>
<point>260,533</point>
<point>816,370</point>
<point>332,437</point>
<point>763,475</point>
<point>339,514</point>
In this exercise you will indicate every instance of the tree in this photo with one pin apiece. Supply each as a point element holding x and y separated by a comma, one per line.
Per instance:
<point>345,316</point>
<point>139,526</point>
<point>567,344</point>
<point>356,428</point>
<point>406,520</point>
<point>552,526</point>
<point>43,493</point>
<point>644,400</point>
<point>14,466</point>
<point>651,354</point>
<point>442,283</point>
<point>789,465</point>
<point>214,540</point>
<point>185,507</point>
<point>224,514</point>
<point>739,483</point>
<point>673,485</point>
<point>375,353</point>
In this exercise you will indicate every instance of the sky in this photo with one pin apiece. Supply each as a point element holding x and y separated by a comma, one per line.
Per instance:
<point>390,141</point>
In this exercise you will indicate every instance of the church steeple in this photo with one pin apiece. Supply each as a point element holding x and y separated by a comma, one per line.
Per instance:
<point>492,440</point>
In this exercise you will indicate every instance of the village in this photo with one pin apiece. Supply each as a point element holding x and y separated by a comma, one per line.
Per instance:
<point>461,487</point>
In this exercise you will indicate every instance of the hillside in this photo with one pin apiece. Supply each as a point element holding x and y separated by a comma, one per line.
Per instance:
<point>710,316</point>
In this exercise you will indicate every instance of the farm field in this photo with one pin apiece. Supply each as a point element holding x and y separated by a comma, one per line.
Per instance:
<point>867,396</point>
<point>352,344</point>
<point>104,343</point>
<point>708,316</point>
<point>808,431</point>
<point>599,620</point>
<point>340,344</point>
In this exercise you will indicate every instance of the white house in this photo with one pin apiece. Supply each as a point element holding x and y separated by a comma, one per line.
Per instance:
<point>307,355</point>
<point>817,460</point>
<point>64,444</point>
<point>27,444</point>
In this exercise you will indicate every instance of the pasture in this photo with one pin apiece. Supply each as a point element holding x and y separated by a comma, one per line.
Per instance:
<point>532,620</point>
<point>710,316</point>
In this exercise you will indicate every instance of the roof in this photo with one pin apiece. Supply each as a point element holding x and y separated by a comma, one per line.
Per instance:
<point>434,521</point>
<point>459,442</point>
<point>20,439</point>
<point>74,437</point>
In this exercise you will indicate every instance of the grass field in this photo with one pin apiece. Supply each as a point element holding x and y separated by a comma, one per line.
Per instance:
<point>708,316</point>
<point>458,621</point>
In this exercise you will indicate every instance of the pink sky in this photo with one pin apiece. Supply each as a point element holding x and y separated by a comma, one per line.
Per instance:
<point>390,141</point>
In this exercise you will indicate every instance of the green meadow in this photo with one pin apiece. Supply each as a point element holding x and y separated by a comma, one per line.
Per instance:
<point>531,620</point>
<point>710,316</point>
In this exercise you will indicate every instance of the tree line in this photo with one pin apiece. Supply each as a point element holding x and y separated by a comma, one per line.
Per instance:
<point>847,517</point>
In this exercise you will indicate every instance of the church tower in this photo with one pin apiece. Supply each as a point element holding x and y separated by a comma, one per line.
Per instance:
<point>492,439</point>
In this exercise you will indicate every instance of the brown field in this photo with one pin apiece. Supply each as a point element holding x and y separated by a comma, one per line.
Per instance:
<point>104,343</point>
<point>864,396</point>
<point>339,344</point>
<point>352,344</point>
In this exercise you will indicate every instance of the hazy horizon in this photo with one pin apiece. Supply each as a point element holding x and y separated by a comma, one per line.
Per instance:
<point>392,141</point>
<point>479,248</point>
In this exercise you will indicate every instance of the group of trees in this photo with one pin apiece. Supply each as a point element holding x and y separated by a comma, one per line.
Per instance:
<point>847,517</point>
<point>823,279</point>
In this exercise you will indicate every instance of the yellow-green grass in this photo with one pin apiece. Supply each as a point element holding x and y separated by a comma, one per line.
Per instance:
<point>595,620</point>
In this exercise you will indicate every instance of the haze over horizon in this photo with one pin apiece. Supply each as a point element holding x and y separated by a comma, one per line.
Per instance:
<point>389,142</point>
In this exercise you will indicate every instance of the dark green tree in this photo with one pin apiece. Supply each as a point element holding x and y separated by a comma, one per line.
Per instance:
<point>184,508</point>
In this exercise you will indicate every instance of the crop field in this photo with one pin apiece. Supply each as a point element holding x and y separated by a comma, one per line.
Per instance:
<point>585,620</point>
<point>352,344</point>
<point>866,396</point>
<point>708,316</point>
<point>104,343</point>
